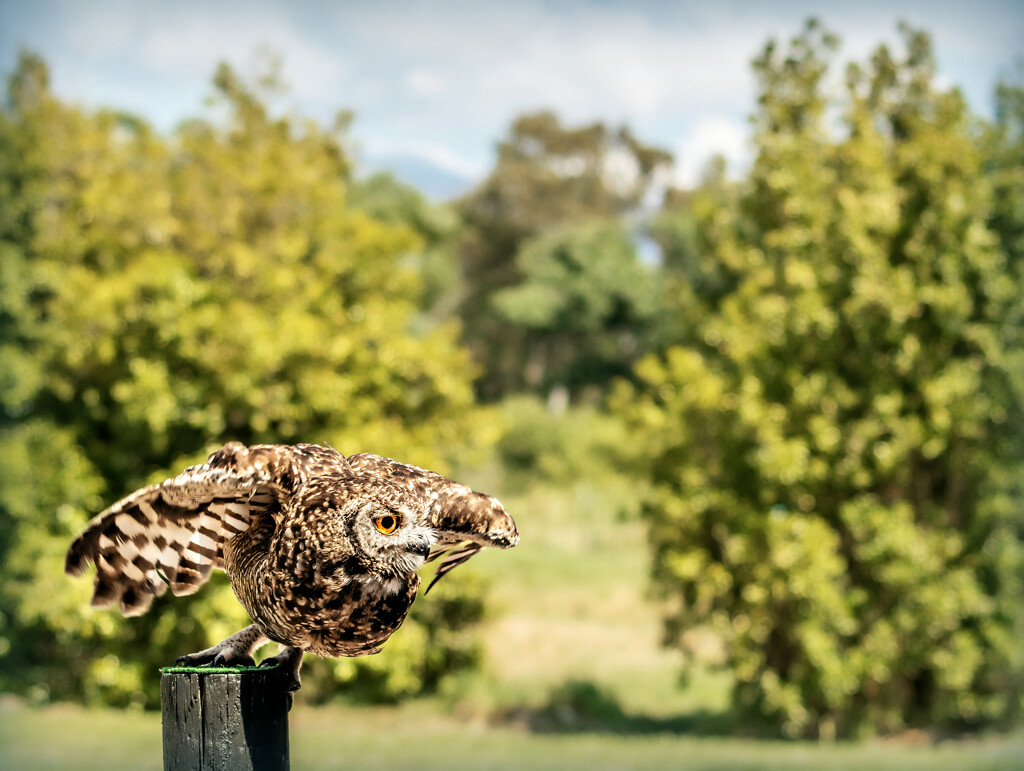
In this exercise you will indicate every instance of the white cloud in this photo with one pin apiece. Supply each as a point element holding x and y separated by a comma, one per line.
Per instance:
<point>419,82</point>
<point>187,41</point>
<point>431,76</point>
<point>94,34</point>
<point>712,136</point>
<point>442,156</point>
<point>587,60</point>
<point>196,48</point>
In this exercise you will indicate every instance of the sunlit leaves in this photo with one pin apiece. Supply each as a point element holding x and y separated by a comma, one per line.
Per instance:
<point>835,439</point>
<point>163,295</point>
<point>551,281</point>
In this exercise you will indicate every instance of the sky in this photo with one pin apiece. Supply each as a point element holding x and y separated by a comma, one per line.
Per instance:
<point>435,85</point>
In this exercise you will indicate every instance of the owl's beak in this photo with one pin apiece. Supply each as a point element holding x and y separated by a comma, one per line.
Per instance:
<point>420,548</point>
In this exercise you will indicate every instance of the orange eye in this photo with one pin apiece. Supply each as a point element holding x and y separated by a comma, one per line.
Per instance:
<point>387,524</point>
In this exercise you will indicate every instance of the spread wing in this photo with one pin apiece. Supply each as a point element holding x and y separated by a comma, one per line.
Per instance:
<point>173,533</point>
<point>464,520</point>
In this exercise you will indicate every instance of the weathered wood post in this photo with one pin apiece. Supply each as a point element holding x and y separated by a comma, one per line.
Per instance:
<point>224,718</point>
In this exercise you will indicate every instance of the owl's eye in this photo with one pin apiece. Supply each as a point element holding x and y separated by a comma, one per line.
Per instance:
<point>387,523</point>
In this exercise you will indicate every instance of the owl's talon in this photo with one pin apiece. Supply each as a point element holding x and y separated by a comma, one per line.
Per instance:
<point>232,659</point>
<point>291,660</point>
<point>235,651</point>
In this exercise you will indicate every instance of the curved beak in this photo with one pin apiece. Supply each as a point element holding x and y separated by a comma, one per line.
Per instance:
<point>420,547</point>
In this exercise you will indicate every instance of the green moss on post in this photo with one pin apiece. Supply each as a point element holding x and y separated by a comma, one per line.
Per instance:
<point>224,718</point>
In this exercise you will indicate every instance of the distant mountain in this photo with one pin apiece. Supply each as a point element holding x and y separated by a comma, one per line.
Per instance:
<point>434,181</point>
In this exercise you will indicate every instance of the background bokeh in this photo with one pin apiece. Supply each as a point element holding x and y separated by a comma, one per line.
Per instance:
<point>759,419</point>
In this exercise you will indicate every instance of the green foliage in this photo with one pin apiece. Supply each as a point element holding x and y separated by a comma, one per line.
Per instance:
<point>529,224</point>
<point>834,447</point>
<point>579,706</point>
<point>584,301</point>
<point>547,442</point>
<point>829,439</point>
<point>386,199</point>
<point>1005,165</point>
<point>163,296</point>
<point>695,279</point>
<point>1006,162</point>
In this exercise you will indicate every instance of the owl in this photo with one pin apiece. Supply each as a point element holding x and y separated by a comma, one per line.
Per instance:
<point>321,550</point>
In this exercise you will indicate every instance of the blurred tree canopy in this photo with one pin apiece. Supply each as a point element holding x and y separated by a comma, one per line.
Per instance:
<point>584,303</point>
<point>834,442</point>
<point>159,296</point>
<point>390,200</point>
<point>555,192</point>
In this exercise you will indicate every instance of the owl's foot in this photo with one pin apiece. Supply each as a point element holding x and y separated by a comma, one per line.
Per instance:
<point>291,660</point>
<point>235,651</point>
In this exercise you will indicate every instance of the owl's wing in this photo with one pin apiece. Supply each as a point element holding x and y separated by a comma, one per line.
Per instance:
<point>464,520</point>
<point>454,555</point>
<point>174,532</point>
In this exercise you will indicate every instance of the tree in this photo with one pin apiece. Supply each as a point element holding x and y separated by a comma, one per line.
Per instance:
<point>160,297</point>
<point>694,279</point>
<point>1005,166</point>
<point>547,177</point>
<point>583,305</point>
<point>437,227</point>
<point>834,450</point>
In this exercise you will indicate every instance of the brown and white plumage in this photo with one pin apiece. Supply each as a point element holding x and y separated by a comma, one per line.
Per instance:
<point>322,551</point>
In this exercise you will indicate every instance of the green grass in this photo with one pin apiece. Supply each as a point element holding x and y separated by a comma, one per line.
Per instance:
<point>419,737</point>
<point>571,604</point>
<point>211,670</point>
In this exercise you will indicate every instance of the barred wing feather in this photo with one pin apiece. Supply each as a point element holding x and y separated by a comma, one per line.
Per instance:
<point>171,533</point>
<point>453,556</point>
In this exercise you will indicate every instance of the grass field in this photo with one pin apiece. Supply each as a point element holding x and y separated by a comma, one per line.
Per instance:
<point>574,678</point>
<point>415,737</point>
<point>571,605</point>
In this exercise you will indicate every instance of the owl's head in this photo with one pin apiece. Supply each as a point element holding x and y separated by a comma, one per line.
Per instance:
<point>390,536</point>
<point>364,528</point>
<point>369,529</point>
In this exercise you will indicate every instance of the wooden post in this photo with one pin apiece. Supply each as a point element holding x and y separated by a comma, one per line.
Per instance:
<point>224,718</point>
